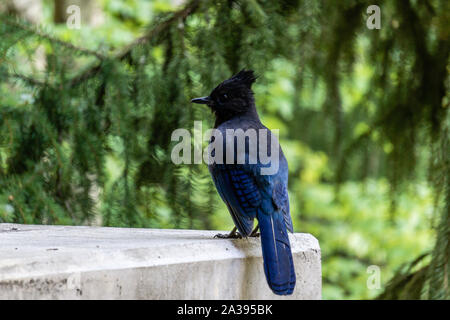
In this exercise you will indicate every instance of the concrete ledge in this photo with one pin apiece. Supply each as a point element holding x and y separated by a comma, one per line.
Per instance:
<point>64,262</point>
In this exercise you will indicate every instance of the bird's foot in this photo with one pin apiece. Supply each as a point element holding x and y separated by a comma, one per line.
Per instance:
<point>232,235</point>
<point>255,232</point>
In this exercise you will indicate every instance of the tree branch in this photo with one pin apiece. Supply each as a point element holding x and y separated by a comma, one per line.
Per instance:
<point>30,81</point>
<point>35,31</point>
<point>121,54</point>
<point>125,52</point>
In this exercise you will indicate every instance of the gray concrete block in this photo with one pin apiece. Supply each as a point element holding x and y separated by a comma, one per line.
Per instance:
<point>66,262</point>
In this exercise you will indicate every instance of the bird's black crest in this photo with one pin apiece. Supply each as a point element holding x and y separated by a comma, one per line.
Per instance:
<point>243,78</point>
<point>246,77</point>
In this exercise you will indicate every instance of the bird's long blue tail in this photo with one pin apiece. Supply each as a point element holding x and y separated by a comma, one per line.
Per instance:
<point>277,255</point>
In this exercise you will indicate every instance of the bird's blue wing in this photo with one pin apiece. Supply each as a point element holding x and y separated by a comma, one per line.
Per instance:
<point>281,201</point>
<point>239,191</point>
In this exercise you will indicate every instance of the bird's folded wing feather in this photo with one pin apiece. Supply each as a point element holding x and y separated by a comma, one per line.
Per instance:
<point>239,191</point>
<point>281,200</point>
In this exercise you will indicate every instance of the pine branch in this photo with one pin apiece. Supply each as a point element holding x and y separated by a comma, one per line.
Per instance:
<point>34,31</point>
<point>121,54</point>
<point>357,142</point>
<point>125,52</point>
<point>29,80</point>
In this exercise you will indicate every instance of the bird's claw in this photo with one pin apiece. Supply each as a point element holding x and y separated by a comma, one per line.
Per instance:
<point>231,235</point>
<point>255,232</point>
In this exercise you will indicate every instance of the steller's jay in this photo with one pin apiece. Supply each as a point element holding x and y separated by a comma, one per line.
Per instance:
<point>247,193</point>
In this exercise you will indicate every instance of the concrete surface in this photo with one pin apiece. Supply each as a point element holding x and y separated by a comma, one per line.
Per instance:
<point>65,262</point>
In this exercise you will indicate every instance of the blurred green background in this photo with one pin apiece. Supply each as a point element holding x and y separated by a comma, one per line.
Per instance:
<point>86,116</point>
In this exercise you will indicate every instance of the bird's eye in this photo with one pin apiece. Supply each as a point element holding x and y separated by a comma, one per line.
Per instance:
<point>223,98</point>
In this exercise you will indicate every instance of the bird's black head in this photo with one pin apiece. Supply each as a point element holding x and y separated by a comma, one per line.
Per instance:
<point>232,97</point>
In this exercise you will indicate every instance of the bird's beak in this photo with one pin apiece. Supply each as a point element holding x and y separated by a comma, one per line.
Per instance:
<point>202,100</point>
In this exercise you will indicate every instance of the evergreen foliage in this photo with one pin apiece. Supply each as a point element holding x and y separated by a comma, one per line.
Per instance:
<point>87,139</point>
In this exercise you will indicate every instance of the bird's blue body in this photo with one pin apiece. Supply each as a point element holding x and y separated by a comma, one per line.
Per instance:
<point>248,195</point>
<point>247,192</point>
